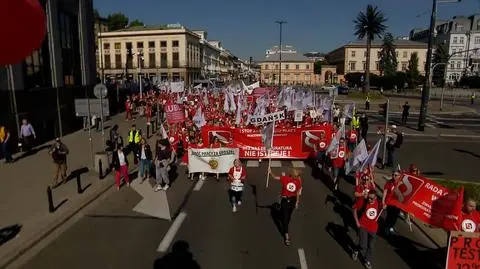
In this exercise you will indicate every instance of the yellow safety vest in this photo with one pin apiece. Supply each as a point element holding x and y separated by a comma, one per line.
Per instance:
<point>367,99</point>
<point>134,138</point>
<point>356,122</point>
<point>2,134</point>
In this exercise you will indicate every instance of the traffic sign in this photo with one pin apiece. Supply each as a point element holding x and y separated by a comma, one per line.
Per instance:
<point>100,91</point>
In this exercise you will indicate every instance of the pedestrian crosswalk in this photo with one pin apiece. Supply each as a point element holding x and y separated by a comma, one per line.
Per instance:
<point>278,163</point>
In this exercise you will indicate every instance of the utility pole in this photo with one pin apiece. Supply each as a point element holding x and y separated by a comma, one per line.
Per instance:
<point>281,23</point>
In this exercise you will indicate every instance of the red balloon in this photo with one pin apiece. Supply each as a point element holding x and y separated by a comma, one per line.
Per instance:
<point>22,29</point>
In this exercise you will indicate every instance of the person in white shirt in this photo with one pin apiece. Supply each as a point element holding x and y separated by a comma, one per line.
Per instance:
<point>236,177</point>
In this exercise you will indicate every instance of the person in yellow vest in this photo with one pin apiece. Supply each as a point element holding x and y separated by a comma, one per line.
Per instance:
<point>4,144</point>
<point>134,138</point>
<point>356,122</point>
<point>367,103</point>
<point>472,98</point>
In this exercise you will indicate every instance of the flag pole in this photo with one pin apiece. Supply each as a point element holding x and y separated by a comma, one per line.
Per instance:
<point>270,155</point>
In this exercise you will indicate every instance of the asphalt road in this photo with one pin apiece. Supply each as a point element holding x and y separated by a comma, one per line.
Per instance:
<point>211,236</point>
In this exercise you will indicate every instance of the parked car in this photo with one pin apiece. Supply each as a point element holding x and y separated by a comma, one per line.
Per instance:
<point>328,87</point>
<point>343,90</point>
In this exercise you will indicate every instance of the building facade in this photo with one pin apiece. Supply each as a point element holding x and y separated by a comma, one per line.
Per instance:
<point>351,58</point>
<point>210,57</point>
<point>296,69</point>
<point>460,38</point>
<point>46,83</point>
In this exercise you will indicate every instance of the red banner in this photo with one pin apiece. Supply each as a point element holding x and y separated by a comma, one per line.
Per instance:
<point>175,113</point>
<point>288,143</point>
<point>426,200</point>
<point>463,251</point>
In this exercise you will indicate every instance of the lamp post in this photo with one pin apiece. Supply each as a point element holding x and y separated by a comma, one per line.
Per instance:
<point>281,23</point>
<point>426,87</point>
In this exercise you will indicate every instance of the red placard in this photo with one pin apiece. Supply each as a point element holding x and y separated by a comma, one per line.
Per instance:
<point>463,251</point>
<point>175,113</point>
<point>425,200</point>
<point>288,143</point>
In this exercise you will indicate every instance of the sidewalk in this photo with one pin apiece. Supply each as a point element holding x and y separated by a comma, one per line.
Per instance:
<point>445,133</point>
<point>23,184</point>
<point>437,236</point>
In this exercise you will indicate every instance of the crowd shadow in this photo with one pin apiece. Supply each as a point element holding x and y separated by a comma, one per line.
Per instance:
<point>179,257</point>
<point>9,232</point>
<point>341,236</point>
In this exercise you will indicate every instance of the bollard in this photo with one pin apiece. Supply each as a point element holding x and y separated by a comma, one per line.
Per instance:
<point>148,131</point>
<point>79,184</point>
<point>50,200</point>
<point>100,169</point>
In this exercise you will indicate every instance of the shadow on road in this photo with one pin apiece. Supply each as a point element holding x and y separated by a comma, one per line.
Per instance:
<point>340,234</point>
<point>180,257</point>
<point>32,152</point>
<point>468,152</point>
<point>8,233</point>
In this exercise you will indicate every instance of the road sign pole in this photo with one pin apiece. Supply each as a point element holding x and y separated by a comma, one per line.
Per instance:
<point>89,126</point>
<point>102,121</point>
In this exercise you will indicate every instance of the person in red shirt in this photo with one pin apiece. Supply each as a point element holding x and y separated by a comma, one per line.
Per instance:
<point>366,213</point>
<point>362,189</point>
<point>352,139</point>
<point>392,211</point>
<point>469,220</point>
<point>236,177</point>
<point>290,198</point>
<point>128,109</point>
<point>148,113</point>
<point>215,143</point>
<point>320,149</point>
<point>338,158</point>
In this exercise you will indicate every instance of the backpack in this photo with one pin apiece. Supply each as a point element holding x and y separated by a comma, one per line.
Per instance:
<point>399,141</point>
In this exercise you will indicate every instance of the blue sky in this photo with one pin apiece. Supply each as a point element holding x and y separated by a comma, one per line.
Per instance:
<point>247,27</point>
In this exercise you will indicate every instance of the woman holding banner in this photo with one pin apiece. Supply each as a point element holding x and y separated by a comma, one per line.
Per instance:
<point>290,198</point>
<point>236,176</point>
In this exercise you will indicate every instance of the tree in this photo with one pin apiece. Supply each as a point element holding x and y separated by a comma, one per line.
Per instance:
<point>440,59</point>
<point>317,66</point>
<point>117,21</point>
<point>369,24</point>
<point>96,14</point>
<point>413,75</point>
<point>388,57</point>
<point>136,23</point>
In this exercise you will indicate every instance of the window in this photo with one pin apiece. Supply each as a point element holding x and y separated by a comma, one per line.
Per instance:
<point>118,46</point>
<point>377,66</point>
<point>151,44</point>
<point>307,78</point>
<point>107,61</point>
<point>118,61</point>
<point>163,44</point>
<point>176,60</point>
<point>276,66</point>
<point>266,67</point>
<point>297,66</point>
<point>106,46</point>
<point>452,65</point>
<point>365,54</point>
<point>458,27</point>
<point>352,66</point>
<point>69,40</point>
<point>176,77</point>
<point>287,66</point>
<point>307,66</point>
<point>404,66</point>
<point>297,77</point>
<point>163,60</point>
<point>459,65</point>
<point>477,40</point>
<point>37,68</point>
<point>353,53</point>
<point>455,40</point>
<point>462,39</point>
<point>379,54</point>
<point>364,65</point>
<point>405,54</point>
<point>151,60</point>
<point>175,43</point>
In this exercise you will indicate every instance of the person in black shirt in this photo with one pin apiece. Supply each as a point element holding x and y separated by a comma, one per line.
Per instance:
<point>59,152</point>
<point>364,126</point>
<point>405,113</point>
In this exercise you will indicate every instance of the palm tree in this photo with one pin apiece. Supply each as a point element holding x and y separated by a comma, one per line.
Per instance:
<point>369,24</point>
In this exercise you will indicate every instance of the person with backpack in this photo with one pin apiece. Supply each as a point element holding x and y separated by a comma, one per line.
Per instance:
<point>394,141</point>
<point>366,212</point>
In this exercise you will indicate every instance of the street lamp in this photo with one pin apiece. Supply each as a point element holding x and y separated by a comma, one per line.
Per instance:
<point>426,88</point>
<point>281,23</point>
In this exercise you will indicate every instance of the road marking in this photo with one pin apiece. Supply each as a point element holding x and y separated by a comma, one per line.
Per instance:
<point>429,125</point>
<point>303,259</point>
<point>460,136</point>
<point>298,164</point>
<point>199,185</point>
<point>153,203</point>
<point>170,235</point>
<point>253,163</point>
<point>275,163</point>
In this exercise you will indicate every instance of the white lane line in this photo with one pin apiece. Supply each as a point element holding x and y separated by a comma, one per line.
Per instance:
<point>253,163</point>
<point>276,163</point>
<point>198,185</point>
<point>298,164</point>
<point>303,259</point>
<point>170,235</point>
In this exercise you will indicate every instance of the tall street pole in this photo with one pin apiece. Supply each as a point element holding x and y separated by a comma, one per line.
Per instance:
<point>428,82</point>
<point>280,58</point>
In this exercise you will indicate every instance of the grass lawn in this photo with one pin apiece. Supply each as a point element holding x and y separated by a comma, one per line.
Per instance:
<point>374,95</point>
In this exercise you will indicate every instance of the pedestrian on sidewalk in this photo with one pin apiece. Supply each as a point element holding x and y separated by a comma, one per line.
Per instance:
<point>236,176</point>
<point>364,126</point>
<point>405,113</point>
<point>120,164</point>
<point>394,141</point>
<point>163,160</point>
<point>134,137</point>
<point>367,102</point>
<point>27,136</point>
<point>392,211</point>
<point>472,98</point>
<point>59,152</point>
<point>365,213</point>
<point>5,144</point>
<point>146,158</point>
<point>290,198</point>
<point>115,138</point>
<point>128,108</point>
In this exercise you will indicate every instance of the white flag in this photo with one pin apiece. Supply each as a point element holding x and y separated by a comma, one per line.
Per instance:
<point>336,140</point>
<point>359,155</point>
<point>371,160</point>
<point>238,116</point>
<point>267,135</point>
<point>198,118</point>
<point>226,106</point>
<point>252,87</point>
<point>177,86</point>
<point>163,132</point>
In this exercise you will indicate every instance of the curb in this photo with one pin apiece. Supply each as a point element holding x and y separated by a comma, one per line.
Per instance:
<point>436,135</point>
<point>13,255</point>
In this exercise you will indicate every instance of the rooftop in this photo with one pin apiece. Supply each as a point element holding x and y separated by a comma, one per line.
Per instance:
<point>152,27</point>
<point>379,42</point>
<point>286,57</point>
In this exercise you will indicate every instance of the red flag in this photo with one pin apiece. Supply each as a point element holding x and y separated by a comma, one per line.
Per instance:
<point>452,220</point>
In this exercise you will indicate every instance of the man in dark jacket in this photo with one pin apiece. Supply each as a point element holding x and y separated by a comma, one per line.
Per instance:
<point>364,126</point>
<point>145,156</point>
<point>59,153</point>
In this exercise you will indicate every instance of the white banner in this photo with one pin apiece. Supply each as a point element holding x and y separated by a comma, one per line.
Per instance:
<point>218,160</point>
<point>276,116</point>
